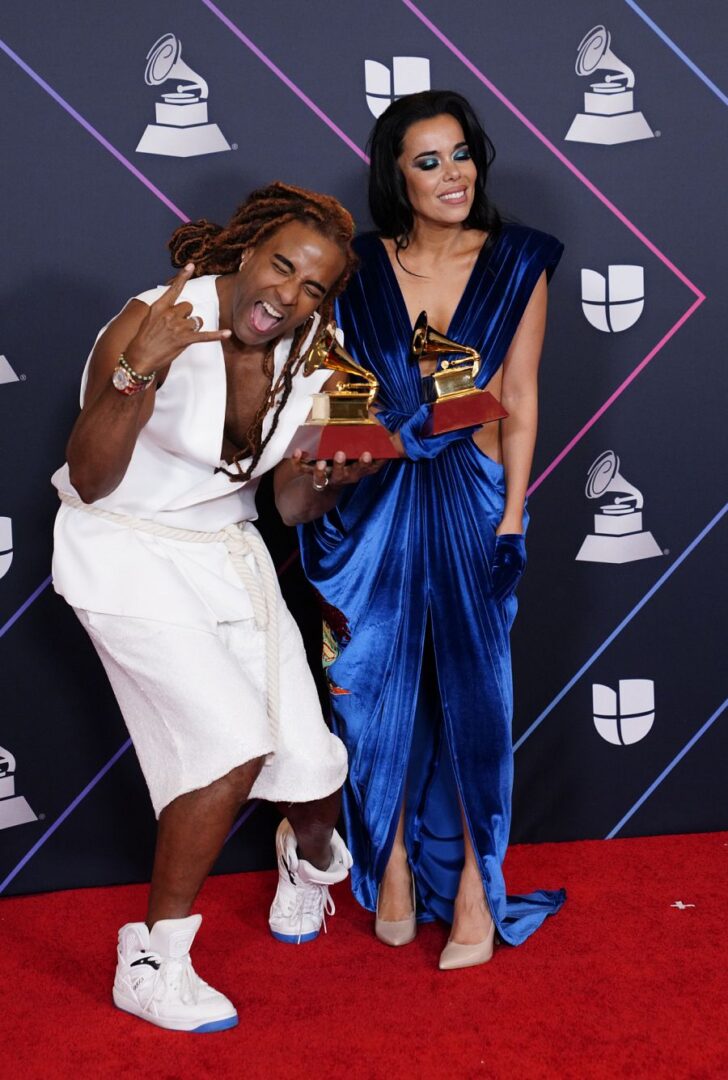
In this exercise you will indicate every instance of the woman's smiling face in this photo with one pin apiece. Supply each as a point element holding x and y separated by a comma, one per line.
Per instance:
<point>438,170</point>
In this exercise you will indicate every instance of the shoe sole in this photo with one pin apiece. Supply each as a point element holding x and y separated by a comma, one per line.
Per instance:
<point>216,1025</point>
<point>127,1006</point>
<point>294,939</point>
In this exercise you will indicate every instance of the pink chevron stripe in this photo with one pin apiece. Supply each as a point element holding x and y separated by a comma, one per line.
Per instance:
<point>285,80</point>
<point>554,149</point>
<point>699,295</point>
<point>617,393</point>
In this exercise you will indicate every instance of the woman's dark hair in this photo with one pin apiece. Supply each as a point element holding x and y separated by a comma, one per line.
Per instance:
<point>215,249</point>
<point>390,208</point>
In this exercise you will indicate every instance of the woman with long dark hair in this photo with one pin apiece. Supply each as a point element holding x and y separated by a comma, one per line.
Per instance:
<point>417,564</point>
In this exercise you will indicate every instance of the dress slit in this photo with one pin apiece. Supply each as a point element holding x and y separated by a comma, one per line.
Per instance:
<point>433,826</point>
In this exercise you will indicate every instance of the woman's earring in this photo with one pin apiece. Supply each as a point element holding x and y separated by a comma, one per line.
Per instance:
<point>243,259</point>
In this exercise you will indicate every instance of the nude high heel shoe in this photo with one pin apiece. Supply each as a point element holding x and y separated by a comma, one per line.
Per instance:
<point>397,931</point>
<point>455,955</point>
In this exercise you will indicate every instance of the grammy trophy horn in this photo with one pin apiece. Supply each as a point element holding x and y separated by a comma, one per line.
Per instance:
<point>454,376</point>
<point>327,352</point>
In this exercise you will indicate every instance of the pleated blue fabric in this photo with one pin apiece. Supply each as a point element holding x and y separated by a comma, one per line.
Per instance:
<point>407,554</point>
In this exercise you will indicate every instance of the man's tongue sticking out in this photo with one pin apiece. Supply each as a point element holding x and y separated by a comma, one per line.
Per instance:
<point>262,319</point>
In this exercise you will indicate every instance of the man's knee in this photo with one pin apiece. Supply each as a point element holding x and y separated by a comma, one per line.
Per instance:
<point>241,779</point>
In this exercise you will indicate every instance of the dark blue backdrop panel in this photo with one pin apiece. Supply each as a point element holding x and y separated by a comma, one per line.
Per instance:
<point>86,219</point>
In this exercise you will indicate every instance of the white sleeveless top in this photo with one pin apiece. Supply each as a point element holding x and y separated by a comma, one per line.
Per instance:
<point>104,567</point>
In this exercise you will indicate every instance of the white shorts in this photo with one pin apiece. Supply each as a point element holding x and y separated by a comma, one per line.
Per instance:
<point>195,706</point>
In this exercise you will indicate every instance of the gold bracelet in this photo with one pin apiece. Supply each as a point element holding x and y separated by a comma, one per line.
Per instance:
<point>123,362</point>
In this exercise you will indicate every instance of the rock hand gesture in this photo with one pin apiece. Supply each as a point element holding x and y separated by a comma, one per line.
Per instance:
<point>132,355</point>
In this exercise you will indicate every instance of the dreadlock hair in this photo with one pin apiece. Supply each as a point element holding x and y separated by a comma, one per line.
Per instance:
<point>216,249</point>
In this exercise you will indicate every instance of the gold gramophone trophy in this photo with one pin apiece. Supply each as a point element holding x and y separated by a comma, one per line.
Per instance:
<point>340,419</point>
<point>458,401</point>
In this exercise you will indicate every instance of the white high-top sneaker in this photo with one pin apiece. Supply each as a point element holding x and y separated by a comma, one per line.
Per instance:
<point>302,898</point>
<point>155,979</point>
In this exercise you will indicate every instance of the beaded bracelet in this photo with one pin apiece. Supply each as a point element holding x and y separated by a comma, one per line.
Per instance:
<point>123,362</point>
<point>128,381</point>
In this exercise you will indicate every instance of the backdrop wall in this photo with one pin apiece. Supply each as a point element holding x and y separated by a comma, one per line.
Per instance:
<point>619,669</point>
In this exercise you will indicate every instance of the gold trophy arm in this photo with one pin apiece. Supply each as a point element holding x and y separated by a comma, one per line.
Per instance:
<point>355,389</point>
<point>428,343</point>
<point>327,353</point>
<point>455,374</point>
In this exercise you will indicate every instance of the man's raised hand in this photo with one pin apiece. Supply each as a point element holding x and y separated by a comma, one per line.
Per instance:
<point>167,329</point>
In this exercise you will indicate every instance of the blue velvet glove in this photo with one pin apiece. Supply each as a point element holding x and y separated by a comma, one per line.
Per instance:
<point>509,562</point>
<point>419,446</point>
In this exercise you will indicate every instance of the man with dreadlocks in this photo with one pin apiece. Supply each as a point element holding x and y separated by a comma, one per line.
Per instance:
<point>190,394</point>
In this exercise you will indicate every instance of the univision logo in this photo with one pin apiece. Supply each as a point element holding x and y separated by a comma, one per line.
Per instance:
<point>625,716</point>
<point>6,545</point>
<point>409,75</point>
<point>615,302</point>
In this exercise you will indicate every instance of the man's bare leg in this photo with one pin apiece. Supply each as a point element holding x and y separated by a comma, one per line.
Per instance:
<point>192,831</point>
<point>314,823</point>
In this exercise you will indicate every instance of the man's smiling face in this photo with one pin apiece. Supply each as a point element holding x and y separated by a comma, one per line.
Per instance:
<point>283,281</point>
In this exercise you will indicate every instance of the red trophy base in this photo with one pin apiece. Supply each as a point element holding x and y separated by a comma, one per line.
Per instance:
<point>463,410</point>
<point>322,441</point>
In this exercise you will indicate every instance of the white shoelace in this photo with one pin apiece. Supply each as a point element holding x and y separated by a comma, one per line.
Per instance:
<point>177,978</point>
<point>312,899</point>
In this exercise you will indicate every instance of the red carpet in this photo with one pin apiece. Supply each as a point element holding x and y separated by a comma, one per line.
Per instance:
<point>620,984</point>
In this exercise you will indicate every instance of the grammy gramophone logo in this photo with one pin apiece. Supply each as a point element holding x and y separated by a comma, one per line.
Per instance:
<point>7,375</point>
<point>618,535</point>
<point>14,809</point>
<point>609,115</point>
<point>182,128</point>
<point>409,75</point>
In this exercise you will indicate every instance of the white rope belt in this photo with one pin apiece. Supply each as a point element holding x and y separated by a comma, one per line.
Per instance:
<point>262,590</point>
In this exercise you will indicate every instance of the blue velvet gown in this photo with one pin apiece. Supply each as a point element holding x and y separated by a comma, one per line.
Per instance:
<point>402,560</point>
